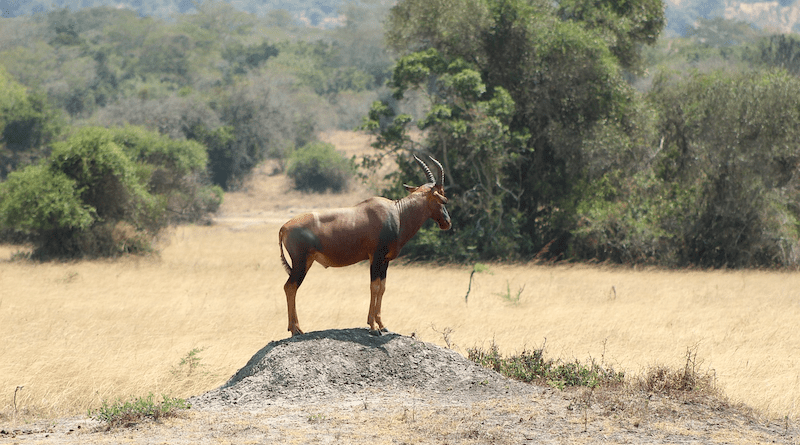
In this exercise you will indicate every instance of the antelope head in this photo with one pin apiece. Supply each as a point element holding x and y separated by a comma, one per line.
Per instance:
<point>434,194</point>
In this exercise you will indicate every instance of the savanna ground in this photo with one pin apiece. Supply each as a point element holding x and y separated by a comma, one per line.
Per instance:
<point>183,322</point>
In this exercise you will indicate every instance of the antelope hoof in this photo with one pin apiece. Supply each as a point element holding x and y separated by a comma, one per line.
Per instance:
<point>296,331</point>
<point>380,332</point>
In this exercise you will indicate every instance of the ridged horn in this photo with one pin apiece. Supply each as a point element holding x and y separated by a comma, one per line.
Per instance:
<point>441,171</point>
<point>428,173</point>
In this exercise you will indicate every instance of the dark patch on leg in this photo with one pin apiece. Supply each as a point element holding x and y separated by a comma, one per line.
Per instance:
<point>378,268</point>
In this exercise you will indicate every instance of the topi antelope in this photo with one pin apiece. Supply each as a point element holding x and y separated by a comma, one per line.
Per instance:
<point>375,229</point>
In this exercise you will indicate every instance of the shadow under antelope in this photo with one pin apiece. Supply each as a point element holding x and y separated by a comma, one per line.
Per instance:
<point>374,230</point>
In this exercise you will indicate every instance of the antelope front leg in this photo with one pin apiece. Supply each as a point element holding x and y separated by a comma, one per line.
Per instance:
<point>376,288</point>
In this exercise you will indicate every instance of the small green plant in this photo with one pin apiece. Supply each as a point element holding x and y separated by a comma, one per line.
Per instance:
<point>531,366</point>
<point>189,363</point>
<point>508,296</point>
<point>316,418</point>
<point>125,413</point>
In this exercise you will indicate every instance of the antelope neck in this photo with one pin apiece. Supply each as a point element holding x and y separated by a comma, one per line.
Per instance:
<point>413,213</point>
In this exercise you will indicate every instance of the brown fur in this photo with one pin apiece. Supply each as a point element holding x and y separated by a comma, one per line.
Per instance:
<point>375,230</point>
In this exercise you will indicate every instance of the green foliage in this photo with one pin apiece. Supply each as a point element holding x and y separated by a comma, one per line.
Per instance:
<point>732,136</point>
<point>447,25</point>
<point>719,33</point>
<point>107,192</point>
<point>549,153</point>
<point>779,51</point>
<point>531,366</point>
<point>37,199</point>
<point>142,146</point>
<point>189,363</point>
<point>624,25</point>
<point>317,166</point>
<point>511,297</point>
<point>243,58</point>
<point>513,96</point>
<point>129,412</point>
<point>219,144</point>
<point>27,123</point>
<point>174,170</point>
<point>263,124</point>
<point>631,220</point>
<point>220,76</point>
<point>721,188</point>
<point>105,175</point>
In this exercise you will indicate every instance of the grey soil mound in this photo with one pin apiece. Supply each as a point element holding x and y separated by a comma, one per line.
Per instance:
<point>335,363</point>
<point>349,386</point>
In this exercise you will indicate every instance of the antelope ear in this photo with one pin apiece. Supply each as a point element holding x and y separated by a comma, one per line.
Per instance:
<point>440,197</point>
<point>409,188</point>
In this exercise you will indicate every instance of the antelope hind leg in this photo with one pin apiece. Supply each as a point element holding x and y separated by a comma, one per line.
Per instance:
<point>291,293</point>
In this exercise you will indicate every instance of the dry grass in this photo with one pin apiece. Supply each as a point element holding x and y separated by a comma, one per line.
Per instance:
<point>74,334</point>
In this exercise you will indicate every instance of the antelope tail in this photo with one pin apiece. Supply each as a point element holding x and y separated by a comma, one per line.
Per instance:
<point>283,258</point>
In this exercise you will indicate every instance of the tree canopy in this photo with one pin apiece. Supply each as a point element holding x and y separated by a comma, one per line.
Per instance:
<point>551,153</point>
<point>516,88</point>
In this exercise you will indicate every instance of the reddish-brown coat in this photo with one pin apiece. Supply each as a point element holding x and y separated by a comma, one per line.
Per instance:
<point>374,230</point>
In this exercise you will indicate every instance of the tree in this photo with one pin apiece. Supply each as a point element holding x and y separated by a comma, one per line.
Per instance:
<point>721,187</point>
<point>624,25</point>
<point>517,90</point>
<point>737,136</point>
<point>260,123</point>
<point>27,124</point>
<point>780,51</point>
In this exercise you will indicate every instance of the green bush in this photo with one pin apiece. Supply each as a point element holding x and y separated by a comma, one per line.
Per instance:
<point>317,166</point>
<point>721,190</point>
<point>172,169</point>
<point>531,366</point>
<point>125,413</point>
<point>38,199</point>
<point>106,192</point>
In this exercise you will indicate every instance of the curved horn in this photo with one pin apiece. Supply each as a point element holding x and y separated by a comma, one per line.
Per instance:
<point>441,171</point>
<point>428,173</point>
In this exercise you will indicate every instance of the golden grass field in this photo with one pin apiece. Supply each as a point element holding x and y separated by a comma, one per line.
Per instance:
<point>76,333</point>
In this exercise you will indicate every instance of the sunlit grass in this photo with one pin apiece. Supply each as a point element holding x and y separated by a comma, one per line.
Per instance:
<point>75,334</point>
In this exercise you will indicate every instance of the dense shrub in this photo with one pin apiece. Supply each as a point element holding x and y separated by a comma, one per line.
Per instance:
<point>39,199</point>
<point>128,412</point>
<point>531,366</point>
<point>317,166</point>
<point>174,169</point>
<point>106,192</point>
<point>721,187</point>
